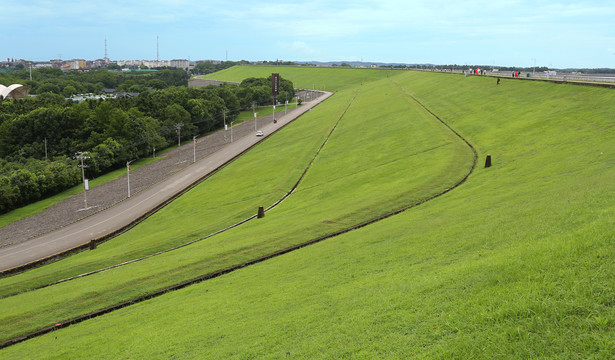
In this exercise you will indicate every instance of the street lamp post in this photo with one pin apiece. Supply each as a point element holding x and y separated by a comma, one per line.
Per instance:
<point>83,156</point>
<point>254,111</point>
<point>232,131</point>
<point>178,129</point>
<point>194,149</point>
<point>128,175</point>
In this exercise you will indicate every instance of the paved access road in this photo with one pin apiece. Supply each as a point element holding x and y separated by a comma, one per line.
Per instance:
<point>129,210</point>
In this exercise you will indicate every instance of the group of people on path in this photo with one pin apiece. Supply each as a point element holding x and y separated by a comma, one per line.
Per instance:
<point>477,71</point>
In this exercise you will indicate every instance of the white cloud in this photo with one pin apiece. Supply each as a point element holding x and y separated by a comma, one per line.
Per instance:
<point>298,47</point>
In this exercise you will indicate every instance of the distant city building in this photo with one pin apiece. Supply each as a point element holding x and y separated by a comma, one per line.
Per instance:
<point>135,64</point>
<point>84,65</point>
<point>180,64</point>
<point>75,65</point>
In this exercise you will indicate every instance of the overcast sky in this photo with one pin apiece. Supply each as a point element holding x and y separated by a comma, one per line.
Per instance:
<point>555,33</point>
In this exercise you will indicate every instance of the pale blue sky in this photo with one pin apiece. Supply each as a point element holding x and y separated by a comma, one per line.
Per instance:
<point>556,33</point>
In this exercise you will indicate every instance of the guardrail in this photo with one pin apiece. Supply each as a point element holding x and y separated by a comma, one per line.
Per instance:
<point>538,75</point>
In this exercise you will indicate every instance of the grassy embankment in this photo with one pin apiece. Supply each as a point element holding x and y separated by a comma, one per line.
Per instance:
<point>329,79</point>
<point>343,188</point>
<point>237,213</point>
<point>515,263</point>
<point>227,197</point>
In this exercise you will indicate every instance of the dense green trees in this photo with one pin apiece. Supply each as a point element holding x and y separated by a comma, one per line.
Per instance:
<point>48,80</point>
<point>258,90</point>
<point>21,184</point>
<point>207,67</point>
<point>113,131</point>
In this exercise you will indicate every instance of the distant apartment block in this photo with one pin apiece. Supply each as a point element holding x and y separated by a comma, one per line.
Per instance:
<point>177,63</point>
<point>80,64</point>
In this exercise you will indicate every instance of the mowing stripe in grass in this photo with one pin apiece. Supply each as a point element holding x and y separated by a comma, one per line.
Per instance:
<point>274,254</point>
<point>442,121</point>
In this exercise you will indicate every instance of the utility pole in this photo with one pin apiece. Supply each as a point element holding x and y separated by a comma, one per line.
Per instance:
<point>178,129</point>
<point>254,112</point>
<point>46,149</point>
<point>128,175</point>
<point>224,117</point>
<point>83,156</point>
<point>232,131</point>
<point>194,149</point>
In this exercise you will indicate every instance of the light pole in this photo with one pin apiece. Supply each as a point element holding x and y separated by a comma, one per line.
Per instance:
<point>232,131</point>
<point>128,175</point>
<point>194,149</point>
<point>178,129</point>
<point>253,111</point>
<point>82,155</point>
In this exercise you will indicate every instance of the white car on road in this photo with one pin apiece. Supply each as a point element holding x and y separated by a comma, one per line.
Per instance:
<point>259,133</point>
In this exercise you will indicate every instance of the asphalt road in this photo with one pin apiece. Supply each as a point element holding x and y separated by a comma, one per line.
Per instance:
<point>130,209</point>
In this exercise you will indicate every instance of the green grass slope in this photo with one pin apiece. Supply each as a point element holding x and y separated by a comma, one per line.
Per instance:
<point>215,210</point>
<point>329,79</point>
<point>374,162</point>
<point>515,263</point>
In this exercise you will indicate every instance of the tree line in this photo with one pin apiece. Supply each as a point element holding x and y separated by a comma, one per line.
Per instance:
<point>40,135</point>
<point>56,81</point>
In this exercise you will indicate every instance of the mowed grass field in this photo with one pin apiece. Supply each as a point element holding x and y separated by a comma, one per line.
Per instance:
<point>517,262</point>
<point>373,179</point>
